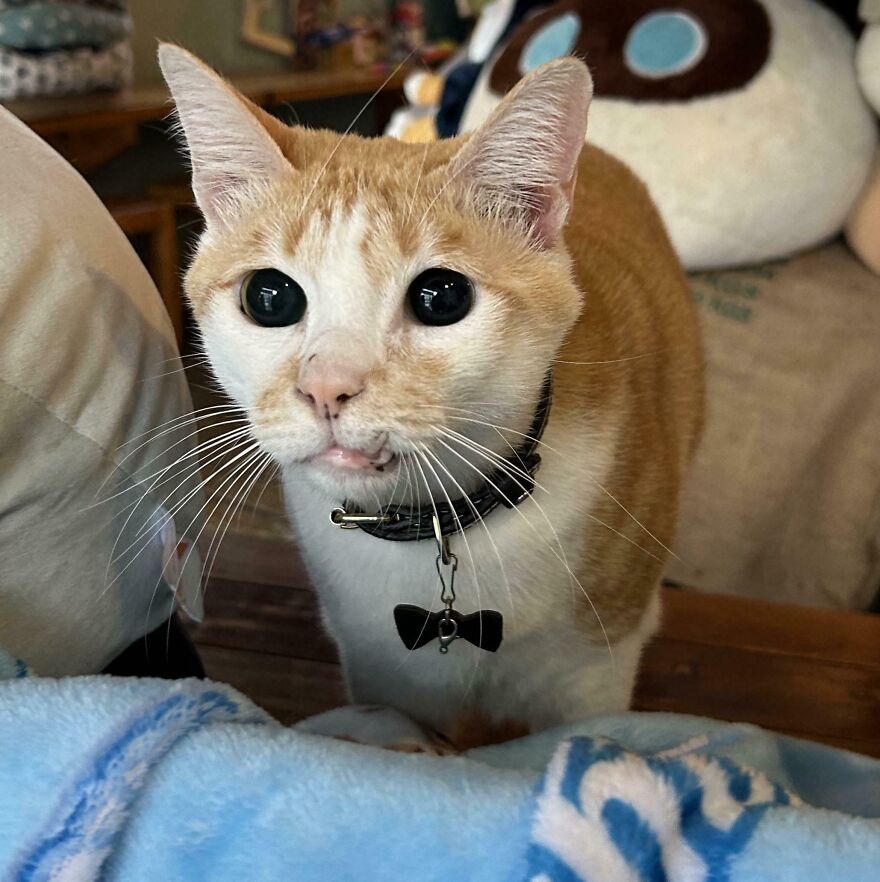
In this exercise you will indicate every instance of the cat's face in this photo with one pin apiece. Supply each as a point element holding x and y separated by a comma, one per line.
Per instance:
<point>370,303</point>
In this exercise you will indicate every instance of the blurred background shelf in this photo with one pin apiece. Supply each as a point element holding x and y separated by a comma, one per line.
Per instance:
<point>100,111</point>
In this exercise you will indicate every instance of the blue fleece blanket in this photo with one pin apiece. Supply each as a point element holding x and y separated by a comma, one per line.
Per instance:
<point>118,780</point>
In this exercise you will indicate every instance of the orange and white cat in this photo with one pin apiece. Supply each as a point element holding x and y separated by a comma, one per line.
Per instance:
<point>541,255</point>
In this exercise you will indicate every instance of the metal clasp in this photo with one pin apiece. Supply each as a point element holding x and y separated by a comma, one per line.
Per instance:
<point>350,520</point>
<point>442,542</point>
<point>447,625</point>
<point>447,631</point>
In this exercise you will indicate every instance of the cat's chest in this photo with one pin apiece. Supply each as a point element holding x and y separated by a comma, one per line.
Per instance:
<point>521,562</point>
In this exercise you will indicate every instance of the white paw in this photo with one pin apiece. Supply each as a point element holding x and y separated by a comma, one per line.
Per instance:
<point>375,725</point>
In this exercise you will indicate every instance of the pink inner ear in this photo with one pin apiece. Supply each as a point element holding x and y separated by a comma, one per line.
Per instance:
<point>549,215</point>
<point>526,154</point>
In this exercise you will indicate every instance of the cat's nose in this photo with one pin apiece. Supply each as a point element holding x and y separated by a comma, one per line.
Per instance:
<point>330,390</point>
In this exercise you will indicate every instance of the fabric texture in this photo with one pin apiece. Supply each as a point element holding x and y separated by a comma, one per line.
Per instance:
<point>65,72</point>
<point>123,780</point>
<point>608,813</point>
<point>59,25</point>
<point>89,375</point>
<point>57,47</point>
<point>783,498</point>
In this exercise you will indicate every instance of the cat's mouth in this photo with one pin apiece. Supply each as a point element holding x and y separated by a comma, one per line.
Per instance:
<point>380,459</point>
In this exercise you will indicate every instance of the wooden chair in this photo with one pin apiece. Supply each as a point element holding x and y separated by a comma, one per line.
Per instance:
<point>155,219</point>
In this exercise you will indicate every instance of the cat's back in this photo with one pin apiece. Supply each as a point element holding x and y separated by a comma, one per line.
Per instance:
<point>638,314</point>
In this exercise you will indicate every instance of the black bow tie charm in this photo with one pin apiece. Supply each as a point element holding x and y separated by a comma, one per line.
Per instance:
<point>417,627</point>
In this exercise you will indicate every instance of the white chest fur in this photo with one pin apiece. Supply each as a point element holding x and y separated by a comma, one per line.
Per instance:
<point>523,562</point>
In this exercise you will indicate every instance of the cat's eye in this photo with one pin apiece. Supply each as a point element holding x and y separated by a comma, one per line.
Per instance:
<point>272,299</point>
<point>440,296</point>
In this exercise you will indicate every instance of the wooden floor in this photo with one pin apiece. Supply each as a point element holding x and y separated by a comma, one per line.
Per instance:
<point>810,673</point>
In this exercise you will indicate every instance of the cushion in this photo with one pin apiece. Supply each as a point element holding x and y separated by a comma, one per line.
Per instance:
<point>64,72</point>
<point>52,24</point>
<point>88,365</point>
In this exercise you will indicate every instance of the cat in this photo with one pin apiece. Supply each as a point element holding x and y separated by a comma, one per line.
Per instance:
<point>392,318</point>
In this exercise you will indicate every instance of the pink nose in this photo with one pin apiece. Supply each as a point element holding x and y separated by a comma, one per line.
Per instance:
<point>328,390</point>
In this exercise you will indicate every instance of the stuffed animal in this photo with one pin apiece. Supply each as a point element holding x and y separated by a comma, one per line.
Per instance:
<point>743,117</point>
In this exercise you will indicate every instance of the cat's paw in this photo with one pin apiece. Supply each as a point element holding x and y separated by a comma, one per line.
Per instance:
<point>377,726</point>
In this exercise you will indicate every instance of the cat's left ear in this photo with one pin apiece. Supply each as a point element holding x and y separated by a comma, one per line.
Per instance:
<point>230,148</point>
<point>523,159</point>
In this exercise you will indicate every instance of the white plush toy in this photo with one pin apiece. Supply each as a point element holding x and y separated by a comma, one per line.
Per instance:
<point>743,117</point>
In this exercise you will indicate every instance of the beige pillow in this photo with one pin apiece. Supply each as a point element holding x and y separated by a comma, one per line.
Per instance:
<point>784,499</point>
<point>88,362</point>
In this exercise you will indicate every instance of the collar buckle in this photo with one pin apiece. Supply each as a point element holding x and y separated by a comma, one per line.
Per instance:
<point>352,520</point>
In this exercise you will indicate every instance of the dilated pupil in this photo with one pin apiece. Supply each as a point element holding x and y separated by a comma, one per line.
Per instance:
<point>272,299</point>
<point>440,296</point>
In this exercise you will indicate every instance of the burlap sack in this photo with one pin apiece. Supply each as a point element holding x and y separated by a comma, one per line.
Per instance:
<point>784,498</point>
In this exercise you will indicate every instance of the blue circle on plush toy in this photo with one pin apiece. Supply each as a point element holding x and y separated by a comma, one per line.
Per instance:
<point>664,44</point>
<point>555,39</point>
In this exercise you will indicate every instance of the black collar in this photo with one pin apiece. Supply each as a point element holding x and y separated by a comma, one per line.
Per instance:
<point>507,487</point>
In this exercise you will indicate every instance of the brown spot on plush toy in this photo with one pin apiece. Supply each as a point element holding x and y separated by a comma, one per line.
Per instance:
<point>732,42</point>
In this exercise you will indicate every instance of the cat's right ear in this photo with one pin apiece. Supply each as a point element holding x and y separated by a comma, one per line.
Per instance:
<point>230,150</point>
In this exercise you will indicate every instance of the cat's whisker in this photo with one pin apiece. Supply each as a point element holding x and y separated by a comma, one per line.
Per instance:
<point>424,452</point>
<point>491,456</point>
<point>255,507</point>
<point>609,360</point>
<point>137,503</point>
<point>226,443</point>
<point>410,489</point>
<point>590,477</point>
<point>181,356</point>
<point>572,578</point>
<point>175,371</point>
<point>391,495</point>
<point>183,420</point>
<point>534,529</point>
<point>412,201</point>
<point>163,520</point>
<point>222,492</point>
<point>351,125</point>
<point>417,464</point>
<point>162,453</point>
<point>419,493</point>
<point>626,511</point>
<point>238,500</point>
<point>254,451</point>
<point>482,522</point>
<point>195,451</point>
<point>501,428</point>
<point>169,516</point>
<point>227,446</point>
